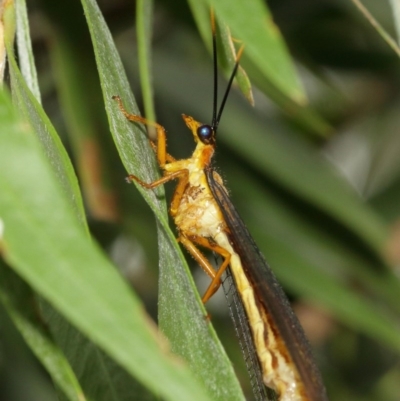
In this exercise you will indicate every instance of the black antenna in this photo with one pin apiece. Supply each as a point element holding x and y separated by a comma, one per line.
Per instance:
<point>217,117</point>
<point>228,88</point>
<point>215,68</point>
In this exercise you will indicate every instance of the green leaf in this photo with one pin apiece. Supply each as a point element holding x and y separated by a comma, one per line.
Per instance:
<point>110,382</point>
<point>251,22</point>
<point>144,14</point>
<point>25,52</point>
<point>44,243</point>
<point>43,128</point>
<point>181,313</point>
<point>17,298</point>
<point>100,377</point>
<point>396,16</point>
<point>377,26</point>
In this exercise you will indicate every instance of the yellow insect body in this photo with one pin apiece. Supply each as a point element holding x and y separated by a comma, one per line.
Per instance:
<point>198,213</point>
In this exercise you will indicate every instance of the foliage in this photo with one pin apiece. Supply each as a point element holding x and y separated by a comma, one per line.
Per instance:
<point>313,169</point>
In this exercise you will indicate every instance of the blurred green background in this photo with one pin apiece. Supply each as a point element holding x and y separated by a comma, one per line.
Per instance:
<point>317,181</point>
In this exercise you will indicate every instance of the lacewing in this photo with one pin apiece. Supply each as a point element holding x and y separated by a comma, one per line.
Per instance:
<point>276,349</point>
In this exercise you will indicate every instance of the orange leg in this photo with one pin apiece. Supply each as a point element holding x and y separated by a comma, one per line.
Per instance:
<point>162,180</point>
<point>182,175</point>
<point>169,158</point>
<point>162,155</point>
<point>179,191</point>
<point>188,243</point>
<point>161,148</point>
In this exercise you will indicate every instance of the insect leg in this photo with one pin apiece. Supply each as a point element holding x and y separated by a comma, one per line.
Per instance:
<point>188,243</point>
<point>162,180</point>
<point>161,148</point>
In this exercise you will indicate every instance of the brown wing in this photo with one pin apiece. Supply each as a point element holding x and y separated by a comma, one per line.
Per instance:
<point>270,293</point>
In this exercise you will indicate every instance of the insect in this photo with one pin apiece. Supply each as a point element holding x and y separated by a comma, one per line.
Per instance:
<point>205,217</point>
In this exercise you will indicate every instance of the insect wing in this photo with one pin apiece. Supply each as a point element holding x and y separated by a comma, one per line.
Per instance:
<point>269,293</point>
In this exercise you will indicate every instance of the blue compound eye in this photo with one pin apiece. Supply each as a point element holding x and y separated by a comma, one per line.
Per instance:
<point>205,134</point>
